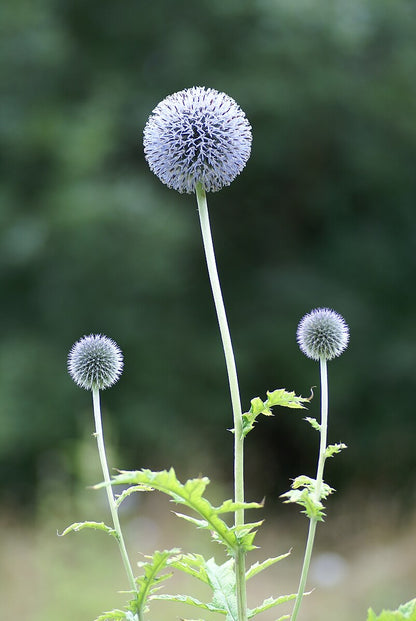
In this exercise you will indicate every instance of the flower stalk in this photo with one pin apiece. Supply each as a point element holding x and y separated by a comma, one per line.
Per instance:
<point>313,521</point>
<point>110,496</point>
<point>234,391</point>
<point>322,335</point>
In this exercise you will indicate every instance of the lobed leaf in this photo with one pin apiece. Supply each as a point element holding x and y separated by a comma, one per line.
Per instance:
<point>220,578</point>
<point>314,423</point>
<point>333,449</point>
<point>188,599</point>
<point>150,581</point>
<point>258,567</point>
<point>193,565</point>
<point>280,397</point>
<point>223,583</point>
<point>77,526</point>
<point>270,602</point>
<point>303,493</point>
<point>189,494</point>
<point>406,612</point>
<point>118,615</point>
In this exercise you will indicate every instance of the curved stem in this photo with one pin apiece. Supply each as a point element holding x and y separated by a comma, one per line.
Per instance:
<point>111,501</point>
<point>234,391</point>
<point>305,568</point>
<point>318,487</point>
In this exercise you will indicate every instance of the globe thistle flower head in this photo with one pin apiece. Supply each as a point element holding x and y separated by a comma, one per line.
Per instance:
<point>95,362</point>
<point>322,334</point>
<point>197,135</point>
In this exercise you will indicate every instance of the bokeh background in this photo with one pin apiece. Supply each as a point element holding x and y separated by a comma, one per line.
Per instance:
<point>91,241</point>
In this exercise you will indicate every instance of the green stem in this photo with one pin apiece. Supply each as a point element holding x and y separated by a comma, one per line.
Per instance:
<point>324,428</point>
<point>234,391</point>
<point>318,487</point>
<point>111,501</point>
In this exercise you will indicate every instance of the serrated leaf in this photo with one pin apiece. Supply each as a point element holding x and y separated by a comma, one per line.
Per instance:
<point>405,612</point>
<point>149,582</point>
<point>222,581</point>
<point>258,567</point>
<point>191,495</point>
<point>187,599</point>
<point>229,506</point>
<point>117,615</point>
<point>313,422</point>
<point>303,494</point>
<point>286,399</point>
<point>77,526</point>
<point>270,602</point>
<point>128,491</point>
<point>333,449</point>
<point>279,397</point>
<point>191,564</point>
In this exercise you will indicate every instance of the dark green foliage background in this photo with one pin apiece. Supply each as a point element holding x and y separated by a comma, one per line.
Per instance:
<point>323,215</point>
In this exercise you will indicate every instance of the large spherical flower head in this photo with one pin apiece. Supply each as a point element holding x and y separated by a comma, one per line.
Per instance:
<point>197,135</point>
<point>95,361</point>
<point>322,334</point>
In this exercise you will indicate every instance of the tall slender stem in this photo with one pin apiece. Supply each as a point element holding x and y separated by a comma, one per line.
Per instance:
<point>234,391</point>
<point>111,501</point>
<point>318,487</point>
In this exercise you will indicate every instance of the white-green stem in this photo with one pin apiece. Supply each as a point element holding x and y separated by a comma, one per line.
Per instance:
<point>111,501</point>
<point>234,391</point>
<point>318,487</point>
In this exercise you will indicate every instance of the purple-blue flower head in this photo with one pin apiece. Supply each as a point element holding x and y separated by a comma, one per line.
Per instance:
<point>322,334</point>
<point>95,361</point>
<point>197,135</point>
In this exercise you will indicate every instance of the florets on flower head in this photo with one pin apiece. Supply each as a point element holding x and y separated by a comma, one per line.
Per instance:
<point>95,361</point>
<point>197,135</point>
<point>322,334</point>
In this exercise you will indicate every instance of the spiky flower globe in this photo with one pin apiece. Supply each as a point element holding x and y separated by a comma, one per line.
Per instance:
<point>197,135</point>
<point>322,334</point>
<point>95,362</point>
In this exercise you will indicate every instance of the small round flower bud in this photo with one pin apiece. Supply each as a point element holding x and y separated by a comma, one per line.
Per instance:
<point>322,334</point>
<point>197,135</point>
<point>95,361</point>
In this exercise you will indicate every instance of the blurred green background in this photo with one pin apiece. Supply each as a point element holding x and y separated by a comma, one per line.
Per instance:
<point>91,241</point>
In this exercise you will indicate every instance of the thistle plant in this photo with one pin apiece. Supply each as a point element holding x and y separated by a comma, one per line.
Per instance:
<point>322,335</point>
<point>95,363</point>
<point>196,141</point>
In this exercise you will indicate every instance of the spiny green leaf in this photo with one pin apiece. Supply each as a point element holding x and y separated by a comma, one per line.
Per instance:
<point>229,506</point>
<point>279,397</point>
<point>313,422</point>
<point>187,599</point>
<point>286,399</point>
<point>406,612</point>
<point>191,495</point>
<point>258,567</point>
<point>270,602</point>
<point>77,526</point>
<point>149,582</point>
<point>192,564</point>
<point>128,491</point>
<point>117,615</point>
<point>333,449</point>
<point>245,534</point>
<point>303,493</point>
<point>222,581</point>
